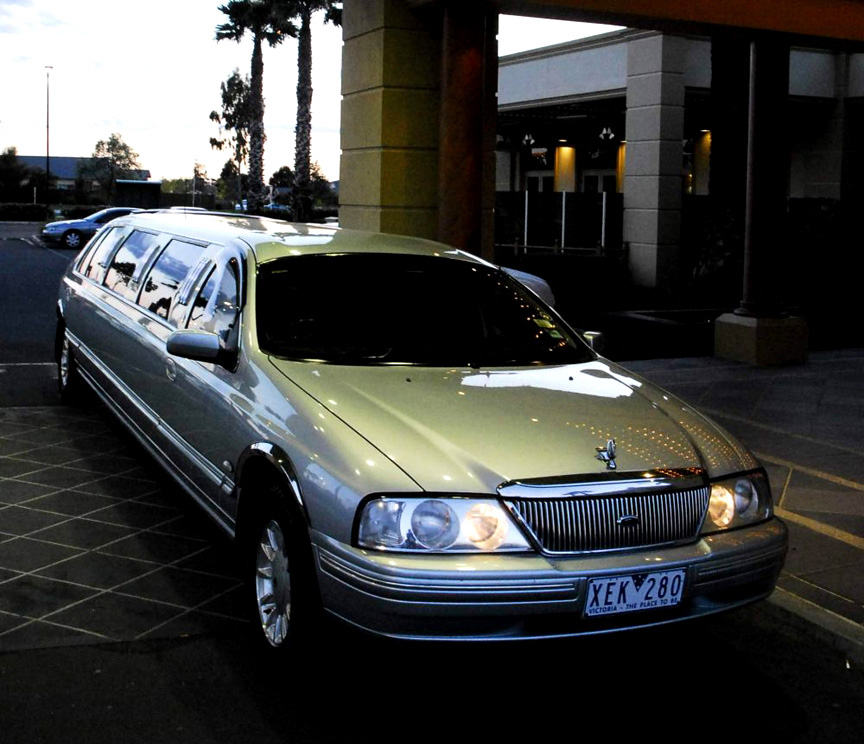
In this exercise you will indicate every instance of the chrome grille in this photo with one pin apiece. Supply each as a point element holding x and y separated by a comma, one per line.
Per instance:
<point>592,523</point>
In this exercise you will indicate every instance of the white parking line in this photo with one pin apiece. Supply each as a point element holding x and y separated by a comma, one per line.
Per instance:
<point>36,243</point>
<point>821,528</point>
<point>836,479</point>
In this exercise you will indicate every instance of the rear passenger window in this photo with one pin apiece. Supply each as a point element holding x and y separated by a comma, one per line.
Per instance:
<point>215,308</point>
<point>103,247</point>
<point>126,260</point>
<point>168,272</point>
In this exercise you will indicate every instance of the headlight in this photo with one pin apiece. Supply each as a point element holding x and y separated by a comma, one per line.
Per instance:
<point>735,502</point>
<point>451,524</point>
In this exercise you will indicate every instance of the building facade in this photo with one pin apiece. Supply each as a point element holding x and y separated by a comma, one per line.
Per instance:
<point>630,113</point>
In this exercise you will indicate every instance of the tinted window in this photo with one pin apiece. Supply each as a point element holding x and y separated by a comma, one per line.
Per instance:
<point>106,243</point>
<point>215,308</point>
<point>126,260</point>
<point>396,309</point>
<point>168,272</point>
<point>111,214</point>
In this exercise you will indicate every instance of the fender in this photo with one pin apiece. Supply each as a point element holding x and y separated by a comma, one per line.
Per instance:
<point>279,460</point>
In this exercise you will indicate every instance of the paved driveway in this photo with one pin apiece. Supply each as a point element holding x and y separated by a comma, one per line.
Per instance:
<point>94,545</point>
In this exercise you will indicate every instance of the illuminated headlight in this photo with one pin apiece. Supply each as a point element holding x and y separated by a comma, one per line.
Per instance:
<point>735,502</point>
<point>448,524</point>
<point>52,229</point>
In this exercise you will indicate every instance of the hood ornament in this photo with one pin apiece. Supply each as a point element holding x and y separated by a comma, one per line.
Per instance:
<point>607,454</point>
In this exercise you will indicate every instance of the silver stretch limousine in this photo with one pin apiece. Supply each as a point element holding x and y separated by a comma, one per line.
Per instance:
<point>405,436</point>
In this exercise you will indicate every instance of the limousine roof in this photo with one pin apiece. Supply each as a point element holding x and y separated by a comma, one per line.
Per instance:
<point>271,239</point>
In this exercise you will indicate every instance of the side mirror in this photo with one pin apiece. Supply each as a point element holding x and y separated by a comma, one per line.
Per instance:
<point>595,340</point>
<point>536,284</point>
<point>201,346</point>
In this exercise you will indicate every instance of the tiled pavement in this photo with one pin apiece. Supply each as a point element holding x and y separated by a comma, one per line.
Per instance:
<point>95,545</point>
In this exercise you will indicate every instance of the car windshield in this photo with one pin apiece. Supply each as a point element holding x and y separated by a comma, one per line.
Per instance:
<point>369,309</point>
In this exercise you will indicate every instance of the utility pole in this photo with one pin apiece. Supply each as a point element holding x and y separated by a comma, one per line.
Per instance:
<point>48,69</point>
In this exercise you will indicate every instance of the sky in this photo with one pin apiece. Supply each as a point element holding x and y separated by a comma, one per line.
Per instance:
<point>152,75</point>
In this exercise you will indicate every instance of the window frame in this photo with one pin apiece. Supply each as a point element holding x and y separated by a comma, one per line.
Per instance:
<point>88,257</point>
<point>218,263</point>
<point>151,263</point>
<point>144,261</point>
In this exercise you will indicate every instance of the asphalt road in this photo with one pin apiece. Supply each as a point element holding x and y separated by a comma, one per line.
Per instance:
<point>748,675</point>
<point>29,276</point>
<point>743,677</point>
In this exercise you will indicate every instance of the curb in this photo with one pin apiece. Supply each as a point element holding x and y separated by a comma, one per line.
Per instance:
<point>836,631</point>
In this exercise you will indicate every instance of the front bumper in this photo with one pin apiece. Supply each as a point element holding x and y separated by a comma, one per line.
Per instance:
<point>475,597</point>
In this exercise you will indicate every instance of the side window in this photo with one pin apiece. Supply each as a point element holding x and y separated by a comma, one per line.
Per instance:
<point>215,308</point>
<point>126,260</point>
<point>168,272</point>
<point>103,247</point>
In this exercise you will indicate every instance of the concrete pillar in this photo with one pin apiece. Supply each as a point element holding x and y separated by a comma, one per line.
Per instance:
<point>758,331</point>
<point>469,82</point>
<point>817,140</point>
<point>418,121</point>
<point>851,177</point>
<point>653,171</point>
<point>391,68</point>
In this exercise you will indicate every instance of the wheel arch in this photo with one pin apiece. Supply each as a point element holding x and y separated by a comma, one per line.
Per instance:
<point>260,463</point>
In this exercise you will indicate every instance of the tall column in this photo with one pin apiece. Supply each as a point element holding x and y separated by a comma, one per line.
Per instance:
<point>467,128</point>
<point>391,67</point>
<point>418,122</point>
<point>653,170</point>
<point>758,332</point>
<point>767,179</point>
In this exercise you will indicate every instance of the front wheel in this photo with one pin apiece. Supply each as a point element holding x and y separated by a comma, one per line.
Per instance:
<point>273,584</point>
<point>73,239</point>
<point>283,583</point>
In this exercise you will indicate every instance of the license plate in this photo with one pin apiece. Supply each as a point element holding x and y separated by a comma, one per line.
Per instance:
<point>611,595</point>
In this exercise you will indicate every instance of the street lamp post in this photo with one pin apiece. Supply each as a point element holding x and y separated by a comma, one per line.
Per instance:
<point>48,69</point>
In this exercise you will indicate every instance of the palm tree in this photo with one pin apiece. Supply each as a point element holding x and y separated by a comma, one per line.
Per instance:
<point>265,20</point>
<point>302,10</point>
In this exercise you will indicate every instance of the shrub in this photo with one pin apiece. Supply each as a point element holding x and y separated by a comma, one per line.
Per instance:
<point>23,213</point>
<point>79,211</point>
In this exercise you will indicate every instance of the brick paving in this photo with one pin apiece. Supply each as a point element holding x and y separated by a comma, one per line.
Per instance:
<point>95,544</point>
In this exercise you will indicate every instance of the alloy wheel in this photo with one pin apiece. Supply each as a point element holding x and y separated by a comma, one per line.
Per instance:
<point>63,363</point>
<point>273,584</point>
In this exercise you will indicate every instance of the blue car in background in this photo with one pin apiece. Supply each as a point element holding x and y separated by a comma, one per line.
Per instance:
<point>75,233</point>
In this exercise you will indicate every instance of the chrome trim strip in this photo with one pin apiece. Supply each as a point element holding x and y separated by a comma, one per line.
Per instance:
<point>194,280</point>
<point>606,484</point>
<point>461,590</point>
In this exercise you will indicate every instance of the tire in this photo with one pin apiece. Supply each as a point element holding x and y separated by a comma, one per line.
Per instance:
<point>69,382</point>
<point>284,602</point>
<point>73,239</point>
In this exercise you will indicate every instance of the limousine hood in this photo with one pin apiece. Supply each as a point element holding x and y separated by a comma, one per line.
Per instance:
<point>468,430</point>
